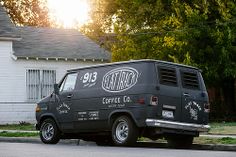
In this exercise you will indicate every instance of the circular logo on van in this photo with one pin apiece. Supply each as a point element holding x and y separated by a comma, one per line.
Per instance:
<point>120,79</point>
<point>193,108</point>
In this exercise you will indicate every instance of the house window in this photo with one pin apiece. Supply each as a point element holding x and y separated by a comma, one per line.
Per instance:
<point>39,83</point>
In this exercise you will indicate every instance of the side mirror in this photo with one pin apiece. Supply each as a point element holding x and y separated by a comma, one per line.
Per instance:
<point>56,89</point>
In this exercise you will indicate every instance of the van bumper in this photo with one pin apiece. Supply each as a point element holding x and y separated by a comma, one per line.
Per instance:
<point>177,125</point>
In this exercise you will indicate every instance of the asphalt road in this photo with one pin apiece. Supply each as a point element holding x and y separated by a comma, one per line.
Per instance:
<point>69,150</point>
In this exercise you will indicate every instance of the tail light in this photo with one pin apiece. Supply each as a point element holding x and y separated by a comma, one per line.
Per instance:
<point>141,101</point>
<point>207,107</point>
<point>154,100</point>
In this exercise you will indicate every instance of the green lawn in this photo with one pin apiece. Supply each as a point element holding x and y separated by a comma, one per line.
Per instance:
<point>201,140</point>
<point>216,128</point>
<point>207,140</point>
<point>223,128</point>
<point>18,134</point>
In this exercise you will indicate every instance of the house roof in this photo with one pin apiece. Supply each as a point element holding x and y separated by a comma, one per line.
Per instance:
<point>49,43</point>
<point>57,43</point>
<point>7,28</point>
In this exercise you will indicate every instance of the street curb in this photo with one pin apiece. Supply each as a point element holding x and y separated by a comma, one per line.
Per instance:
<point>139,144</point>
<point>219,147</point>
<point>19,140</point>
<point>37,140</point>
<point>214,147</point>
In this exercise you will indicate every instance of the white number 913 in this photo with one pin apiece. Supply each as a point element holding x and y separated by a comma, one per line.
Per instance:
<point>90,77</point>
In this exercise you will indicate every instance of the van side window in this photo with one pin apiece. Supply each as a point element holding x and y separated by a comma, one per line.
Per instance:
<point>190,80</point>
<point>168,76</point>
<point>69,82</point>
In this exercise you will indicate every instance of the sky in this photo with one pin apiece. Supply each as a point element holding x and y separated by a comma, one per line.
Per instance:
<point>69,13</point>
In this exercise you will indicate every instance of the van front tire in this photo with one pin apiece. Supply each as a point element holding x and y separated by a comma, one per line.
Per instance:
<point>49,132</point>
<point>124,131</point>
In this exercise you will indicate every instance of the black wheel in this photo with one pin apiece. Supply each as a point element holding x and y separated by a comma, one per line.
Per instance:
<point>124,131</point>
<point>49,132</point>
<point>179,141</point>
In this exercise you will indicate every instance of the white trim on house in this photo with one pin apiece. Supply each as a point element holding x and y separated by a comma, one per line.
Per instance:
<point>56,59</point>
<point>13,57</point>
<point>9,38</point>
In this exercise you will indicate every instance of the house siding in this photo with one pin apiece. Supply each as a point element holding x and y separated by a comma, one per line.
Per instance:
<point>14,107</point>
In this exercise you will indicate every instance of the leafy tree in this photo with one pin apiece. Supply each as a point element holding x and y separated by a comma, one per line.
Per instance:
<point>27,12</point>
<point>197,32</point>
<point>100,27</point>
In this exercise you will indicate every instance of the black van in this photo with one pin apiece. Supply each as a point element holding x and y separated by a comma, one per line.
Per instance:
<point>116,103</point>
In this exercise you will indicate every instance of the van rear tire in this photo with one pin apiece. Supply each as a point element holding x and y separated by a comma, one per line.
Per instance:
<point>124,131</point>
<point>104,140</point>
<point>180,141</point>
<point>49,132</point>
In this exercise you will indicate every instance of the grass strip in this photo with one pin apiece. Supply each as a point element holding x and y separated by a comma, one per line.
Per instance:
<point>228,128</point>
<point>200,140</point>
<point>18,134</point>
<point>197,140</point>
<point>27,127</point>
<point>207,140</point>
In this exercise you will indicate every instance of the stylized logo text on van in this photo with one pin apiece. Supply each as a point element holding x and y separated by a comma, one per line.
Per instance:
<point>193,109</point>
<point>120,79</point>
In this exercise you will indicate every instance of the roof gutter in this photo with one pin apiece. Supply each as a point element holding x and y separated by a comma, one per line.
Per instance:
<point>10,38</point>
<point>56,58</point>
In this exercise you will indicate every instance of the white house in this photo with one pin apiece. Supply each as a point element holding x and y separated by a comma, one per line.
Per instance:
<point>32,60</point>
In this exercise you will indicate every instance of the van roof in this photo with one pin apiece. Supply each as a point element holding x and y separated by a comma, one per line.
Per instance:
<point>132,61</point>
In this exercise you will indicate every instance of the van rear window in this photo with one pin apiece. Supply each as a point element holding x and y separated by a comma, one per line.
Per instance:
<point>190,80</point>
<point>168,76</point>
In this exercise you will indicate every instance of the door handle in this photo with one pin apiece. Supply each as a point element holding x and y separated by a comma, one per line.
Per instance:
<point>70,96</point>
<point>186,94</point>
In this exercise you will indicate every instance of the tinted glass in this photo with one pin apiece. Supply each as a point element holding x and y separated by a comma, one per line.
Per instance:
<point>168,76</point>
<point>190,80</point>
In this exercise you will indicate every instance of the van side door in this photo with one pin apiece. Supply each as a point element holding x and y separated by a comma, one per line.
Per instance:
<point>64,106</point>
<point>87,105</point>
